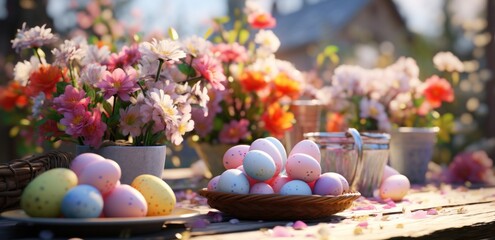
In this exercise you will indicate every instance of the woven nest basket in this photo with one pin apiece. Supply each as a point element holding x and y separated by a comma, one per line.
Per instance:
<point>279,207</point>
<point>16,174</point>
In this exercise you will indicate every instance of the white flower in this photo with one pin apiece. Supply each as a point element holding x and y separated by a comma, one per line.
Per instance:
<point>348,77</point>
<point>199,96</point>
<point>334,97</point>
<point>167,50</point>
<point>175,133</point>
<point>94,54</point>
<point>371,108</point>
<point>196,46</point>
<point>32,37</point>
<point>23,70</point>
<point>69,51</point>
<point>446,61</point>
<point>92,74</point>
<point>130,121</point>
<point>268,40</point>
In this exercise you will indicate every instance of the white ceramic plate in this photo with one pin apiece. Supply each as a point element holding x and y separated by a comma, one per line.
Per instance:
<point>156,221</point>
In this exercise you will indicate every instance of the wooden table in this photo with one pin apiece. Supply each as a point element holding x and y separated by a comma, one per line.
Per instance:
<point>442,212</point>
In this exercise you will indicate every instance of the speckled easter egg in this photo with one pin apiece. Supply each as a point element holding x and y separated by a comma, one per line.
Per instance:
<point>261,188</point>
<point>124,201</point>
<point>102,175</point>
<point>295,187</point>
<point>82,160</point>
<point>82,201</point>
<point>271,149</point>
<point>278,182</point>
<point>213,184</point>
<point>395,187</point>
<point>307,147</point>
<point>234,156</point>
<point>328,184</point>
<point>280,148</point>
<point>43,196</point>
<point>158,194</point>
<point>303,167</point>
<point>251,180</point>
<point>345,183</point>
<point>259,165</point>
<point>233,181</point>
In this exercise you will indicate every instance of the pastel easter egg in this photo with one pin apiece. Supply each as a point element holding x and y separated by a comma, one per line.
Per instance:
<point>395,187</point>
<point>82,160</point>
<point>388,171</point>
<point>251,180</point>
<point>345,183</point>
<point>234,156</point>
<point>82,201</point>
<point>295,187</point>
<point>278,182</point>
<point>43,196</point>
<point>233,181</point>
<point>102,175</point>
<point>303,167</point>
<point>259,165</point>
<point>125,201</point>
<point>267,146</point>
<point>261,188</point>
<point>158,194</point>
<point>328,184</point>
<point>213,184</point>
<point>280,148</point>
<point>307,147</point>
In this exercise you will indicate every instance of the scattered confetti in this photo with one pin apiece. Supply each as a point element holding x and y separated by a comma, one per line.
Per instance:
<point>358,231</point>
<point>461,210</point>
<point>419,214</point>
<point>432,212</point>
<point>363,224</point>
<point>280,231</point>
<point>299,225</point>
<point>324,232</point>
<point>214,217</point>
<point>234,221</point>
<point>199,223</point>
<point>400,225</point>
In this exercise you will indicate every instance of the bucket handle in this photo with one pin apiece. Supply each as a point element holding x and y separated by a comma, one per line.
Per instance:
<point>358,145</point>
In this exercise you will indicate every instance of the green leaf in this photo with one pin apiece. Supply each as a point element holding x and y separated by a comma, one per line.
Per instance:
<point>208,33</point>
<point>222,20</point>
<point>331,50</point>
<point>320,59</point>
<point>173,34</point>
<point>61,87</point>
<point>107,107</point>
<point>243,36</point>
<point>232,35</point>
<point>187,70</point>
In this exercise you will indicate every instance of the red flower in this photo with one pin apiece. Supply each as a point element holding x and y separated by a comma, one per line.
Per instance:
<point>253,81</point>
<point>12,96</point>
<point>277,120</point>
<point>44,80</point>
<point>261,20</point>
<point>438,90</point>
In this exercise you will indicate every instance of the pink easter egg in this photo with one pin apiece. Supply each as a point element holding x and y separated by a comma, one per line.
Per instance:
<point>388,171</point>
<point>395,187</point>
<point>345,183</point>
<point>303,167</point>
<point>307,147</point>
<point>234,156</point>
<point>261,188</point>
<point>82,160</point>
<point>278,182</point>
<point>281,149</point>
<point>271,149</point>
<point>125,201</point>
<point>102,175</point>
<point>213,183</point>
<point>328,184</point>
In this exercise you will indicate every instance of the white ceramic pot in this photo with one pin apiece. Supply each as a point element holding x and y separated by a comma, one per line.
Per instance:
<point>133,160</point>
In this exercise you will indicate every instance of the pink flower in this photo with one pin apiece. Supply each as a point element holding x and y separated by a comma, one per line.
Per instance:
<point>475,167</point>
<point>229,53</point>
<point>202,124</point>
<point>130,121</point>
<point>131,55</point>
<point>260,20</point>
<point>119,83</point>
<point>75,121</point>
<point>210,69</point>
<point>94,130</point>
<point>234,131</point>
<point>32,37</point>
<point>71,98</point>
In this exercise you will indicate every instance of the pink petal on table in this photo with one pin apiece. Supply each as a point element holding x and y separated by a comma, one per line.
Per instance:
<point>419,214</point>
<point>299,225</point>
<point>363,224</point>
<point>365,207</point>
<point>432,212</point>
<point>280,231</point>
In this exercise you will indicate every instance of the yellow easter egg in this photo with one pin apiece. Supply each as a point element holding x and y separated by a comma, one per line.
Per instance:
<point>158,194</point>
<point>43,196</point>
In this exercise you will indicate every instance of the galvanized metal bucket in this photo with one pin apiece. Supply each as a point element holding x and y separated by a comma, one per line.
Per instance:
<point>340,153</point>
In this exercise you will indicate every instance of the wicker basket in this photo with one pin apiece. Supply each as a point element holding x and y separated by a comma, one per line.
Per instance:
<point>278,207</point>
<point>16,174</point>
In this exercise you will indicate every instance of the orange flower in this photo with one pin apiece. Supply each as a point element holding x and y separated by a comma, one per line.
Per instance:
<point>277,120</point>
<point>12,96</point>
<point>261,20</point>
<point>253,81</point>
<point>285,86</point>
<point>438,90</point>
<point>336,122</point>
<point>44,80</point>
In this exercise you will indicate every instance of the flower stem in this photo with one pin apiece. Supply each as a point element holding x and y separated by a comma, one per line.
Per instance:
<point>71,72</point>
<point>35,50</point>
<point>160,63</point>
